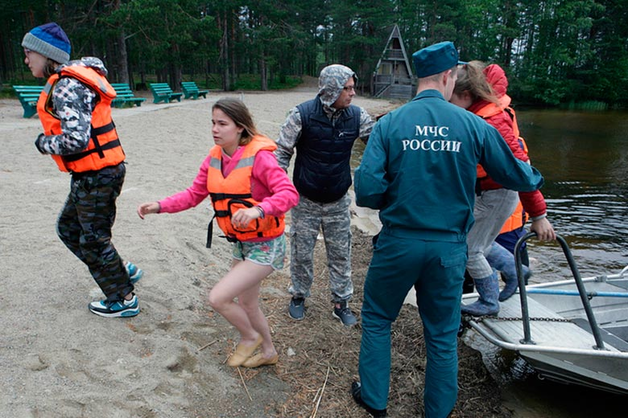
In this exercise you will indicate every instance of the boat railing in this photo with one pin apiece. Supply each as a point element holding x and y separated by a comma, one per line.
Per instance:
<point>525,313</point>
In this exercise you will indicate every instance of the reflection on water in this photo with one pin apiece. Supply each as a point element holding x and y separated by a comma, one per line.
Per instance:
<point>584,159</point>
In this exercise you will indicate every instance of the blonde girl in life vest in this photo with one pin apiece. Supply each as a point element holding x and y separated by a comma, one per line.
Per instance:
<point>250,195</point>
<point>482,90</point>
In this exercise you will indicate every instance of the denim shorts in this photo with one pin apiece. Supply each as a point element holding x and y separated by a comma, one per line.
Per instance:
<point>266,253</point>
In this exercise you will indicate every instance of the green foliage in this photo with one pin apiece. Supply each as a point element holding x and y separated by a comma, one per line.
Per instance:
<point>591,105</point>
<point>167,34</point>
<point>7,92</point>
<point>252,82</point>
<point>554,51</point>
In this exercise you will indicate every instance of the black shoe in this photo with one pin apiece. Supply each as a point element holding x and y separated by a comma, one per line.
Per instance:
<point>356,392</point>
<point>342,312</point>
<point>296,310</point>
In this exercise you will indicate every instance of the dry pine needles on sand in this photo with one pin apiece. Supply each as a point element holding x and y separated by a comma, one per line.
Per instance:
<point>319,356</point>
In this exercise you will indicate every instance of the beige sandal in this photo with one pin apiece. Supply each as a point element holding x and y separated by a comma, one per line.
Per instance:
<point>259,360</point>
<point>243,352</point>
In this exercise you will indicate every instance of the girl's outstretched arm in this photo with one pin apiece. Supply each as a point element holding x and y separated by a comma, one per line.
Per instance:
<point>148,207</point>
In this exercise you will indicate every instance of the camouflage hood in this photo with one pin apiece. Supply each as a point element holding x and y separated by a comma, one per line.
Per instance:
<point>92,62</point>
<point>331,81</point>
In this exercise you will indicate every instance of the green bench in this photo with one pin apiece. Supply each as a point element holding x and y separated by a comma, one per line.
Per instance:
<point>28,96</point>
<point>191,90</point>
<point>124,96</point>
<point>163,92</point>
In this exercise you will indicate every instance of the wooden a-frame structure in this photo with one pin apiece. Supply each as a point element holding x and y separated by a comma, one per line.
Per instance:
<point>393,77</point>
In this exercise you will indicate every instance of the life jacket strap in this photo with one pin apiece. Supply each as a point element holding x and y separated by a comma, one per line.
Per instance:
<point>478,187</point>
<point>210,230</point>
<point>103,129</point>
<point>95,133</point>
<point>98,148</point>
<point>222,196</point>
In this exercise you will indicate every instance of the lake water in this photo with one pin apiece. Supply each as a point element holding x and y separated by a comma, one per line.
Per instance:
<point>584,159</point>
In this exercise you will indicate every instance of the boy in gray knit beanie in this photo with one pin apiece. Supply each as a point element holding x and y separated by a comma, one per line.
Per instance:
<point>50,41</point>
<point>75,113</point>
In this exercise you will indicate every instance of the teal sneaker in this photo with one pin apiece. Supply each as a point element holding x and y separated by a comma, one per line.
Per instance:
<point>135,273</point>
<point>120,309</point>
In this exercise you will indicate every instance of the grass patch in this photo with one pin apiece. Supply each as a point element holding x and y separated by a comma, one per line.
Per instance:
<point>242,82</point>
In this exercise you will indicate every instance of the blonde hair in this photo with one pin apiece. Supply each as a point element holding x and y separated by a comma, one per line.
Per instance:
<point>471,78</point>
<point>239,113</point>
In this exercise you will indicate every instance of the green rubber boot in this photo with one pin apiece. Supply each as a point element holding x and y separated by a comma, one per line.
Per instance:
<point>487,304</point>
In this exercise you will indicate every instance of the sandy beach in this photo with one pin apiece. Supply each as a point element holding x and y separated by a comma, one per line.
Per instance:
<point>59,360</point>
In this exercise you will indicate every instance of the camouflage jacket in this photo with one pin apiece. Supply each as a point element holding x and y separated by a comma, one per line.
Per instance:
<point>330,85</point>
<point>73,103</point>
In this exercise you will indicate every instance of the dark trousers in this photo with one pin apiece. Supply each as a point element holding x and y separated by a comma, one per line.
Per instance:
<point>435,270</point>
<point>85,224</point>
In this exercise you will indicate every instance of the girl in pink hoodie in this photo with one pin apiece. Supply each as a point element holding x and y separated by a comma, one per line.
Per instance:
<point>242,162</point>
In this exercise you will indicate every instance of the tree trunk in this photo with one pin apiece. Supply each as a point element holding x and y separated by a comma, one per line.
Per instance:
<point>263,74</point>
<point>224,53</point>
<point>143,78</point>
<point>232,58</point>
<point>5,55</point>
<point>123,74</point>
<point>175,76</point>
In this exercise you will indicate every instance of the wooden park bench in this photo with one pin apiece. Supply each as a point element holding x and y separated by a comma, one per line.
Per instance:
<point>28,96</point>
<point>163,92</point>
<point>191,90</point>
<point>124,96</point>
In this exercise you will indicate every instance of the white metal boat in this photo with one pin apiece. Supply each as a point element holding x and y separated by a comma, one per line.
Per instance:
<point>573,331</point>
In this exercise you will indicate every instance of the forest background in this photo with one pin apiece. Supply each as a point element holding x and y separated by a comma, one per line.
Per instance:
<point>555,52</point>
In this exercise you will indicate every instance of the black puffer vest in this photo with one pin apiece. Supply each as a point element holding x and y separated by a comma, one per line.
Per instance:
<point>322,172</point>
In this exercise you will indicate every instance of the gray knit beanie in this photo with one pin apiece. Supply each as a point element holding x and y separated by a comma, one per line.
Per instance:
<point>50,41</point>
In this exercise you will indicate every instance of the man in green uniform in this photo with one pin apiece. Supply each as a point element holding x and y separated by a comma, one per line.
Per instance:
<point>419,170</point>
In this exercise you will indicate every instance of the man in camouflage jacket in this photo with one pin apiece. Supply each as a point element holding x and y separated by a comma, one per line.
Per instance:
<point>322,131</point>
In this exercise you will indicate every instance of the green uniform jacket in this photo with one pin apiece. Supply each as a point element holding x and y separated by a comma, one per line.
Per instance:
<point>419,168</point>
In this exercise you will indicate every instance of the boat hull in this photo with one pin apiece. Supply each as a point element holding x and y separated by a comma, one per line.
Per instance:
<point>561,344</point>
<point>610,375</point>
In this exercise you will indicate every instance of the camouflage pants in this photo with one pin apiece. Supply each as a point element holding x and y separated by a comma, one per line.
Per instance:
<point>85,224</point>
<point>308,218</point>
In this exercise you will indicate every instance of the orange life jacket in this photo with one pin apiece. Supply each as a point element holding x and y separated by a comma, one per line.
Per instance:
<point>103,148</point>
<point>519,217</point>
<point>231,193</point>
<point>493,109</point>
